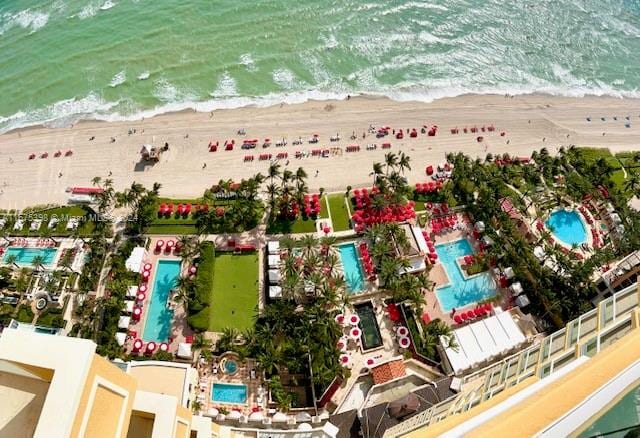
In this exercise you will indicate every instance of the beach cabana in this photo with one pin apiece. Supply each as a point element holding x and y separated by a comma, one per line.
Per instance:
<point>184,351</point>
<point>508,272</point>
<point>273,247</point>
<point>128,306</point>
<point>274,276</point>
<point>275,292</point>
<point>123,322</point>
<point>516,288</point>
<point>273,261</point>
<point>280,417</point>
<point>132,291</point>
<point>522,301</point>
<point>120,338</point>
<point>134,262</point>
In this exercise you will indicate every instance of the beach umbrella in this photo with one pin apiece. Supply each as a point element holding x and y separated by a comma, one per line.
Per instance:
<point>170,244</point>
<point>159,244</point>
<point>402,331</point>
<point>355,333</point>
<point>457,318</point>
<point>145,276</point>
<point>151,347</point>
<point>192,270</point>
<point>404,342</point>
<point>354,319</point>
<point>478,311</point>
<point>339,318</point>
<point>137,313</point>
<point>164,347</point>
<point>138,344</point>
<point>342,344</point>
<point>345,359</point>
<point>463,316</point>
<point>147,266</point>
<point>142,288</point>
<point>141,296</point>
<point>470,314</point>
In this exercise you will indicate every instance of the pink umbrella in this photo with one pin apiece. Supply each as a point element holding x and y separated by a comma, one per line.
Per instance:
<point>164,347</point>
<point>192,270</point>
<point>355,333</point>
<point>147,266</point>
<point>457,318</point>
<point>342,345</point>
<point>345,359</point>
<point>142,288</point>
<point>339,318</point>
<point>404,342</point>
<point>170,244</point>
<point>145,276</point>
<point>138,344</point>
<point>151,347</point>
<point>137,312</point>
<point>159,244</point>
<point>402,331</point>
<point>354,320</point>
<point>370,361</point>
<point>326,230</point>
<point>141,296</point>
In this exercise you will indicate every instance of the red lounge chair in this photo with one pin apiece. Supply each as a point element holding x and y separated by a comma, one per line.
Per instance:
<point>45,155</point>
<point>68,153</point>
<point>32,156</point>
<point>57,154</point>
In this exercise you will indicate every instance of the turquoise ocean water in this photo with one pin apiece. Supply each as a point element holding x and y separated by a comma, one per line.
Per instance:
<point>116,59</point>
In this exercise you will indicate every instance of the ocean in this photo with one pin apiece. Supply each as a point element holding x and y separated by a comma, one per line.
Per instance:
<point>63,60</point>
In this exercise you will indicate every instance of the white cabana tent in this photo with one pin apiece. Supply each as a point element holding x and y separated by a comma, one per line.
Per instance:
<point>479,226</point>
<point>128,306</point>
<point>516,288</point>
<point>184,351</point>
<point>274,276</point>
<point>508,272</point>
<point>274,261</point>
<point>538,251</point>
<point>522,301</point>
<point>132,291</point>
<point>482,341</point>
<point>123,322</point>
<point>275,292</point>
<point>120,338</point>
<point>280,417</point>
<point>273,247</point>
<point>134,262</point>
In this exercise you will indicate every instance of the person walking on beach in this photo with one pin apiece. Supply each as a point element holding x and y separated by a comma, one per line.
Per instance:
<point>204,166</point>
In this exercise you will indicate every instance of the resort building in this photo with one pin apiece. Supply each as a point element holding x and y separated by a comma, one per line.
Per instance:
<point>54,386</point>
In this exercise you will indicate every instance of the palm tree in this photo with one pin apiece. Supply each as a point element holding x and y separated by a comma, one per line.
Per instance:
<point>11,259</point>
<point>404,162</point>
<point>274,171</point>
<point>377,171</point>
<point>391,160</point>
<point>96,181</point>
<point>37,262</point>
<point>308,242</point>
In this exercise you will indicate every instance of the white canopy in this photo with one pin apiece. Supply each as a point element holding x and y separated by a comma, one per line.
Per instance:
<point>274,261</point>
<point>184,351</point>
<point>132,291</point>
<point>212,412</point>
<point>516,288</point>
<point>134,262</point>
<point>120,338</point>
<point>275,291</point>
<point>522,301</point>
<point>279,417</point>
<point>128,306</point>
<point>480,227</point>
<point>123,322</point>
<point>234,415</point>
<point>538,251</point>
<point>508,272</point>
<point>256,416</point>
<point>274,276</point>
<point>273,247</point>
<point>481,341</point>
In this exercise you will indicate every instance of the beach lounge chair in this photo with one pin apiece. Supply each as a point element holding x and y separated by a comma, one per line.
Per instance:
<point>18,225</point>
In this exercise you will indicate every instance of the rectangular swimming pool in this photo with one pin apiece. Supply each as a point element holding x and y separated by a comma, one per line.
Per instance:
<point>353,274</point>
<point>461,291</point>
<point>229,393</point>
<point>157,326</point>
<point>24,256</point>
<point>371,337</point>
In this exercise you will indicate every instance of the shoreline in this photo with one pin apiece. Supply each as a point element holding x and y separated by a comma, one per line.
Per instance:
<point>529,122</point>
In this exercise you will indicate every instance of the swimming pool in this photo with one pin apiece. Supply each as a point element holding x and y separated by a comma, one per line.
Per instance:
<point>24,256</point>
<point>353,274</point>
<point>370,337</point>
<point>229,393</point>
<point>461,291</point>
<point>567,226</point>
<point>622,416</point>
<point>157,325</point>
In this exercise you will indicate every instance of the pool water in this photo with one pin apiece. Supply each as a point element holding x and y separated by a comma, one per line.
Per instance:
<point>567,227</point>
<point>231,366</point>
<point>621,417</point>
<point>157,326</point>
<point>353,273</point>
<point>461,291</point>
<point>371,337</point>
<point>24,256</point>
<point>229,393</point>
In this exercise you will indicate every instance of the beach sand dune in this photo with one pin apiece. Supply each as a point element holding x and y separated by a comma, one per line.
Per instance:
<point>530,122</point>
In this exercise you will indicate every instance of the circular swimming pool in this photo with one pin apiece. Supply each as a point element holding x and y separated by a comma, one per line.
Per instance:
<point>230,366</point>
<point>567,226</point>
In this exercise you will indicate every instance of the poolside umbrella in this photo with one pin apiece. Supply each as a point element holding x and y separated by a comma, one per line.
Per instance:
<point>159,245</point>
<point>404,342</point>
<point>478,311</point>
<point>192,270</point>
<point>355,333</point>
<point>402,331</point>
<point>141,296</point>
<point>345,359</point>
<point>256,416</point>
<point>370,362</point>
<point>142,288</point>
<point>145,276</point>
<point>164,347</point>
<point>339,318</point>
<point>342,344</point>
<point>354,319</point>
<point>137,312</point>
<point>234,415</point>
<point>463,316</point>
<point>457,318</point>
<point>470,314</point>
<point>151,347</point>
<point>138,344</point>
<point>147,266</point>
<point>170,244</point>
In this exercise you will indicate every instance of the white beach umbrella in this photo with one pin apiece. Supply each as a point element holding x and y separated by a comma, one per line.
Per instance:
<point>234,415</point>
<point>280,417</point>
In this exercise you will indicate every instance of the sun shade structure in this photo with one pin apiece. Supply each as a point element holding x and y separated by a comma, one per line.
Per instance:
<point>482,341</point>
<point>407,405</point>
<point>134,262</point>
<point>273,247</point>
<point>124,322</point>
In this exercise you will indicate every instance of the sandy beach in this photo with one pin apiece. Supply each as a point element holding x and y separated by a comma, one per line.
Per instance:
<point>529,122</point>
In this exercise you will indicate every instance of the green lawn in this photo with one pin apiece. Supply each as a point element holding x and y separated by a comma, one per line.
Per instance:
<point>339,212</point>
<point>63,214</point>
<point>299,225</point>
<point>235,291</point>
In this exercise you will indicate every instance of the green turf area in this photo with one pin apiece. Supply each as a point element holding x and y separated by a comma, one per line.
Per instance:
<point>299,225</point>
<point>63,214</point>
<point>324,211</point>
<point>172,229</point>
<point>339,212</point>
<point>235,291</point>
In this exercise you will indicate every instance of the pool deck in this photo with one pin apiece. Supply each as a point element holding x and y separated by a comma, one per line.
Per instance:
<point>179,327</point>
<point>243,376</point>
